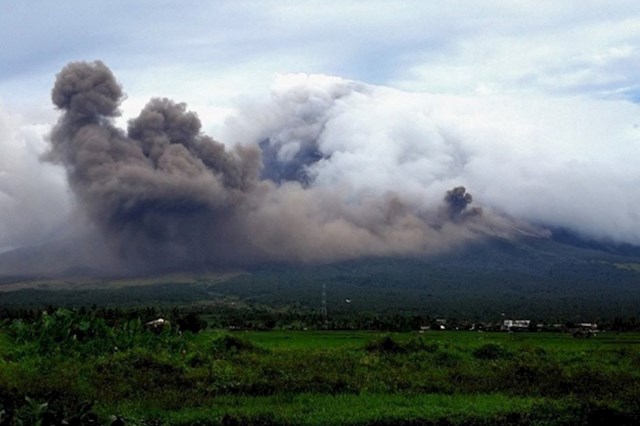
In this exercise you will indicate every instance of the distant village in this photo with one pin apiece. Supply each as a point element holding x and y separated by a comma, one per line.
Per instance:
<point>584,329</point>
<point>416,323</point>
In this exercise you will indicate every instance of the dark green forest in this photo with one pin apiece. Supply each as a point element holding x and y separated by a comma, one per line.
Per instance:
<point>530,278</point>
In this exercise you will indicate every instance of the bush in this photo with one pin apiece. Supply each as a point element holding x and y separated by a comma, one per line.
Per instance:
<point>492,351</point>
<point>191,322</point>
<point>385,345</point>
<point>228,344</point>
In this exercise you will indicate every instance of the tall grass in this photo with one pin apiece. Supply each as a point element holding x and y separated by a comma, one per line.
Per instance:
<point>70,362</point>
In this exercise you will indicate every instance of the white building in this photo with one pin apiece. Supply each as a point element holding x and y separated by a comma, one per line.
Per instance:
<point>512,325</point>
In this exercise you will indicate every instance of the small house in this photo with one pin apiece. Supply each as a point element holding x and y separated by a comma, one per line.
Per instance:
<point>515,325</point>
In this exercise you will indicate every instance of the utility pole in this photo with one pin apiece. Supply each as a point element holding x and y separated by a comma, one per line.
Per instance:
<point>323,310</point>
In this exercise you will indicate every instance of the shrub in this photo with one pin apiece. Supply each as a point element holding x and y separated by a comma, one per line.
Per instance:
<point>385,345</point>
<point>447,358</point>
<point>492,351</point>
<point>228,344</point>
<point>191,322</point>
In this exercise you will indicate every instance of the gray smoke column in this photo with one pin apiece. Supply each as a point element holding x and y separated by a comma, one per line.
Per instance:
<point>87,91</point>
<point>457,200</point>
<point>159,192</point>
<point>166,195</point>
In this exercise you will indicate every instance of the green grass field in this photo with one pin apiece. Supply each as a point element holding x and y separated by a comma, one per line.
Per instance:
<point>349,409</point>
<point>85,371</point>
<point>318,339</point>
<point>312,339</point>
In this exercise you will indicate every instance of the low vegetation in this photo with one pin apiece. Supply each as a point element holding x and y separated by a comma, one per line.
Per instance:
<point>82,367</point>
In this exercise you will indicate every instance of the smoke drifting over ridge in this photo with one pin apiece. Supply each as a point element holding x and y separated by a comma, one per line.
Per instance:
<point>346,170</point>
<point>556,162</point>
<point>165,194</point>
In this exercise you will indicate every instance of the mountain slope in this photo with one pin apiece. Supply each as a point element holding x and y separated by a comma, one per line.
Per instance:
<point>527,276</point>
<point>518,277</point>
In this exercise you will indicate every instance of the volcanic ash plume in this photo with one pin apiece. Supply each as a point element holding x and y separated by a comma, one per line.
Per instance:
<point>162,192</point>
<point>166,195</point>
<point>457,201</point>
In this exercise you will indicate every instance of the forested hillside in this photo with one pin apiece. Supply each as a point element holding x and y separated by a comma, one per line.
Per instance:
<point>529,277</point>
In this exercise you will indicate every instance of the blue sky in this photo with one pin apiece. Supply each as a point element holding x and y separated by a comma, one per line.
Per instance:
<point>209,53</point>
<point>542,97</point>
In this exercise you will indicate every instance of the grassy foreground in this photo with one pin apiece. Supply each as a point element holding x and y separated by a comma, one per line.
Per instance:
<point>350,409</point>
<point>66,368</point>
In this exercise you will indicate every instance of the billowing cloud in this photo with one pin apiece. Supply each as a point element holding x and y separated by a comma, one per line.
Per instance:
<point>34,202</point>
<point>165,194</point>
<point>558,162</point>
<point>325,169</point>
<point>234,47</point>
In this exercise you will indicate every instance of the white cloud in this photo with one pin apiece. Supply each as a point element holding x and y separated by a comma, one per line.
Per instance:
<point>34,201</point>
<point>590,56</point>
<point>559,162</point>
<point>497,125</point>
